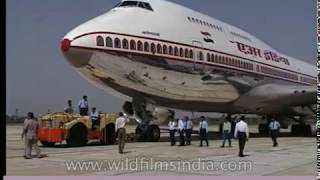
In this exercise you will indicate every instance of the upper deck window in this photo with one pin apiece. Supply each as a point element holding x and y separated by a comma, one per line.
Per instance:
<point>140,4</point>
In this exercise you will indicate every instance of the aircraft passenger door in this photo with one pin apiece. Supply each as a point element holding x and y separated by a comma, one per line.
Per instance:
<point>198,56</point>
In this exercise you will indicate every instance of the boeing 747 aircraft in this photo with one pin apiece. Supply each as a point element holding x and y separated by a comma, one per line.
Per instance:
<point>158,54</point>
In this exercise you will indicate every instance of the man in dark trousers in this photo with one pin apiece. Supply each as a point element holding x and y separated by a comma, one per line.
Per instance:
<point>188,130</point>
<point>181,128</point>
<point>203,127</point>
<point>274,127</point>
<point>242,133</point>
<point>172,130</point>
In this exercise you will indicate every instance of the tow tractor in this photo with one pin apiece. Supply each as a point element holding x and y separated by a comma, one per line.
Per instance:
<point>75,129</point>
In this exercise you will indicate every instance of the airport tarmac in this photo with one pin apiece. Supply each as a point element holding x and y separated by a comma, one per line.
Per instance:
<point>294,157</point>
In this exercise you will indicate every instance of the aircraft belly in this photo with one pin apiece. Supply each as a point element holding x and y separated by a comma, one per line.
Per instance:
<point>133,78</point>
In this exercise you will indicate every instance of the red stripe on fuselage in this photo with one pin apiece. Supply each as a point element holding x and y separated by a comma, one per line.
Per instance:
<point>182,44</point>
<point>117,50</point>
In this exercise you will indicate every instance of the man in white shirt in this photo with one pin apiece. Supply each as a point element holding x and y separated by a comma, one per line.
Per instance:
<point>226,130</point>
<point>242,133</point>
<point>68,108</point>
<point>121,131</point>
<point>181,128</point>
<point>188,130</point>
<point>203,130</point>
<point>94,116</point>
<point>274,127</point>
<point>83,106</point>
<point>172,130</point>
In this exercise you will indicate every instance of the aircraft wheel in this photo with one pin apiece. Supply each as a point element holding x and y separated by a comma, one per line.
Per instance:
<point>153,133</point>
<point>263,129</point>
<point>301,130</point>
<point>140,133</point>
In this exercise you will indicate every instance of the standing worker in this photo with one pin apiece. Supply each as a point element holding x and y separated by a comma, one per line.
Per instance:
<point>172,130</point>
<point>94,116</point>
<point>83,106</point>
<point>226,131</point>
<point>29,133</point>
<point>242,133</point>
<point>188,122</point>
<point>274,126</point>
<point>68,108</point>
<point>181,128</point>
<point>121,131</point>
<point>203,127</point>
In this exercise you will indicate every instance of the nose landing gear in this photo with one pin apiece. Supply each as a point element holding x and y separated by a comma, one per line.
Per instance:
<point>147,133</point>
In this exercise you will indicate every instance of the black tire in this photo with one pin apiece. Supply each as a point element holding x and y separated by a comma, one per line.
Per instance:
<point>47,144</point>
<point>295,129</point>
<point>109,134</point>
<point>263,129</point>
<point>153,133</point>
<point>140,134</point>
<point>77,136</point>
<point>301,130</point>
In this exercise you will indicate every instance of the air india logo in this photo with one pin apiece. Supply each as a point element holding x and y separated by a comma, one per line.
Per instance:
<point>207,37</point>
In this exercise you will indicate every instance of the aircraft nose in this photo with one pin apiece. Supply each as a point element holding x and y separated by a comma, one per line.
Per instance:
<point>65,44</point>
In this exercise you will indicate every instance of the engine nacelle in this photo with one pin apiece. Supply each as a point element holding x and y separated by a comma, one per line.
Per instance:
<point>146,113</point>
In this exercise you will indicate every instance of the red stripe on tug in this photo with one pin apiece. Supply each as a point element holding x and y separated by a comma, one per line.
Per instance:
<point>51,134</point>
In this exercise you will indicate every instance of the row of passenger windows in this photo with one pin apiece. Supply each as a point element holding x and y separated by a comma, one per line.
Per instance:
<point>308,80</point>
<point>145,46</point>
<point>229,61</point>
<point>189,53</point>
<point>240,36</point>
<point>171,50</point>
<point>279,73</point>
<point>204,23</point>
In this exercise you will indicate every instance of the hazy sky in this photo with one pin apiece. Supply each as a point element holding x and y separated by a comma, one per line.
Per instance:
<point>38,78</point>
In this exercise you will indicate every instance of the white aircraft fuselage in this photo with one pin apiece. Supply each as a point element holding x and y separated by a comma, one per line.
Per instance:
<point>170,56</point>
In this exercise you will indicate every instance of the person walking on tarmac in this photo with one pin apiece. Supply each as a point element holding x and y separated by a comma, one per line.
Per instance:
<point>29,133</point>
<point>242,133</point>
<point>94,116</point>
<point>274,127</point>
<point>226,131</point>
<point>83,106</point>
<point>172,130</point>
<point>181,128</point>
<point>203,127</point>
<point>68,108</point>
<point>188,130</point>
<point>121,122</point>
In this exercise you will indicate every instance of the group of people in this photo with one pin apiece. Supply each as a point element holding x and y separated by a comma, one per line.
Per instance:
<point>231,127</point>
<point>236,127</point>
<point>83,107</point>
<point>185,128</point>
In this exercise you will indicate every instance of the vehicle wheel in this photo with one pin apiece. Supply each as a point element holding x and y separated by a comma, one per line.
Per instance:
<point>109,134</point>
<point>140,133</point>
<point>77,136</point>
<point>47,144</point>
<point>301,130</point>
<point>153,133</point>
<point>263,129</point>
<point>295,129</point>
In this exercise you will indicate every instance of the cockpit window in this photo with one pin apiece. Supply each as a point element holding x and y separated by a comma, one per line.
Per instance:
<point>128,3</point>
<point>140,4</point>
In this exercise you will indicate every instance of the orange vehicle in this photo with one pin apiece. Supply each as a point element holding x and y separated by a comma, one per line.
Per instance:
<point>75,129</point>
